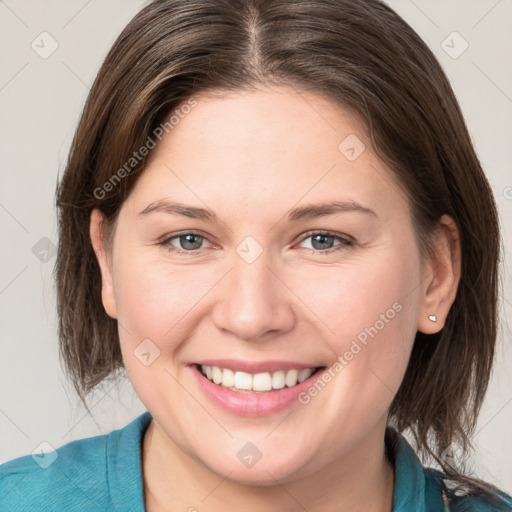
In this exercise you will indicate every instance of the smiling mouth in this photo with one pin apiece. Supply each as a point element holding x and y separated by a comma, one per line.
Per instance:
<point>243,382</point>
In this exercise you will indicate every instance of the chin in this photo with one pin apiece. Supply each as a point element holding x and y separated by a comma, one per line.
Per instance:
<point>262,472</point>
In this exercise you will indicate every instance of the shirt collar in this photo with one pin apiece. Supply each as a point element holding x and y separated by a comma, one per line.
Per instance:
<point>413,490</point>
<point>124,465</point>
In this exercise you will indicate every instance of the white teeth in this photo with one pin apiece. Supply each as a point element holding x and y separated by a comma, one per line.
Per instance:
<point>304,374</point>
<point>228,378</point>
<point>262,382</point>
<point>278,380</point>
<point>259,382</point>
<point>216,375</point>
<point>291,377</point>
<point>242,380</point>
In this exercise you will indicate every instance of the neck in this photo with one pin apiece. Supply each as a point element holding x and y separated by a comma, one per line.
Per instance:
<point>174,480</point>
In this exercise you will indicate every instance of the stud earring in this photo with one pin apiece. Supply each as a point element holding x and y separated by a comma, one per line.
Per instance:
<point>433,318</point>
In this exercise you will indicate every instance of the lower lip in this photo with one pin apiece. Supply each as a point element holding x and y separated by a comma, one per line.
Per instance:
<point>252,404</point>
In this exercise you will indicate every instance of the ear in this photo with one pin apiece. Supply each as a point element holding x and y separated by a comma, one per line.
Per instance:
<point>440,279</point>
<point>96,232</point>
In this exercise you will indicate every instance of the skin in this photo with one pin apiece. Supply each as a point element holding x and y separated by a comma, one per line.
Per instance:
<point>250,157</point>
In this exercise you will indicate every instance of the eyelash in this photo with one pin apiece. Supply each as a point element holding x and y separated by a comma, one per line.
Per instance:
<point>344,242</point>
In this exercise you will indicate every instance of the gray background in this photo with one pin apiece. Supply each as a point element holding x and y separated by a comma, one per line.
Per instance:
<point>40,101</point>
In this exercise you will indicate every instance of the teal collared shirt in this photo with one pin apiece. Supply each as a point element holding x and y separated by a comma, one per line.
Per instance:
<point>103,473</point>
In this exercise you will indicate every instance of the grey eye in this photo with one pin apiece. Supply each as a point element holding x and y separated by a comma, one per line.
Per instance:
<point>190,241</point>
<point>320,241</point>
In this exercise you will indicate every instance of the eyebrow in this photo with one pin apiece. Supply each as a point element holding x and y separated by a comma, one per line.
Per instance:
<point>174,208</point>
<point>330,208</point>
<point>299,213</point>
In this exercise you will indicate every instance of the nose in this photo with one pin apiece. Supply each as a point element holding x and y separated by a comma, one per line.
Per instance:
<point>254,304</point>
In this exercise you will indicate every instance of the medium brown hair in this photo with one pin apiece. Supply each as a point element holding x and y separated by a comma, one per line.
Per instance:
<point>358,53</point>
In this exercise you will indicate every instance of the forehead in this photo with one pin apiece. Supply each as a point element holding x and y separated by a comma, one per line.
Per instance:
<point>270,120</point>
<point>264,149</point>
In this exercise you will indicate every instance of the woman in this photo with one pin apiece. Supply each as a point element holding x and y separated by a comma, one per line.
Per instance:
<point>267,219</point>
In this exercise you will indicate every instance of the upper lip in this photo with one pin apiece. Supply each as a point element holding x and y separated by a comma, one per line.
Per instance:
<point>255,366</point>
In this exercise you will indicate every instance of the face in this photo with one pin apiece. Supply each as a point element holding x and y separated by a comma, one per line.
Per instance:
<point>262,283</point>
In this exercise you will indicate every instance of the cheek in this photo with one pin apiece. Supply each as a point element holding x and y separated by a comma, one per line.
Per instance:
<point>353,297</point>
<point>157,307</point>
<point>368,312</point>
<point>160,306</point>
<point>154,300</point>
<point>370,309</point>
